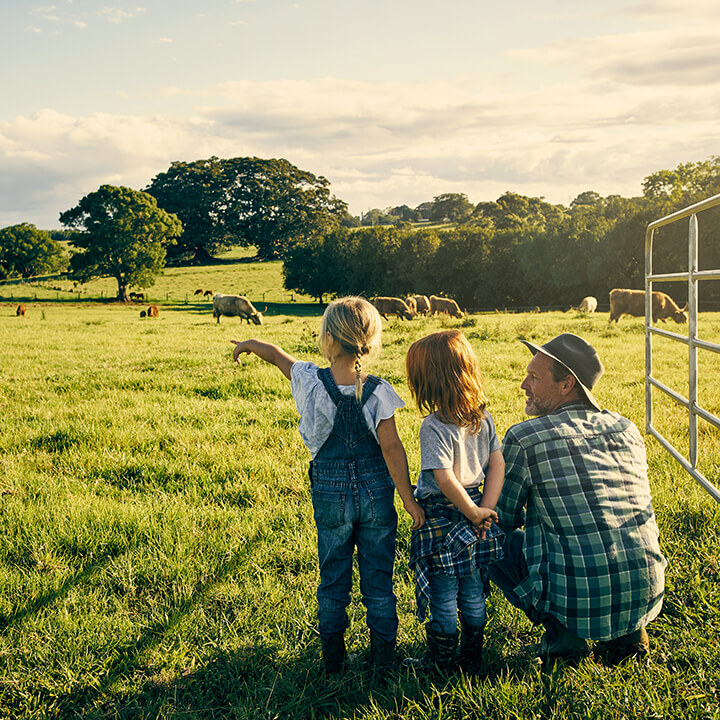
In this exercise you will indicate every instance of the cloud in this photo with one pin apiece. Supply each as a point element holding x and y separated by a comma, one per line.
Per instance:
<point>378,144</point>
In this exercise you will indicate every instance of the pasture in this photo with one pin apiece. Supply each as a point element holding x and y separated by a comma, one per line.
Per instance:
<point>157,551</point>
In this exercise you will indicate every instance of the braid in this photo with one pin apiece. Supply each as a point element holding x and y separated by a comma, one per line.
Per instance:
<point>358,382</point>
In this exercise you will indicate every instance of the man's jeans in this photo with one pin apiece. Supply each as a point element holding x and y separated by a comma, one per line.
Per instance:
<point>448,594</point>
<point>359,514</point>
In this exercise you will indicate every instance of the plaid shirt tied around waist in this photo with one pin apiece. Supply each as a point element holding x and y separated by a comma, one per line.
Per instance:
<point>447,543</point>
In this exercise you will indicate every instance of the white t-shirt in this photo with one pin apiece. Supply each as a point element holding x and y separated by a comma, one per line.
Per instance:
<point>448,446</point>
<point>317,410</point>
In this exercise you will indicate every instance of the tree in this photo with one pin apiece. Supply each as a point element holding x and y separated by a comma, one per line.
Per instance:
<point>270,204</point>
<point>123,235</point>
<point>454,207</point>
<point>26,251</point>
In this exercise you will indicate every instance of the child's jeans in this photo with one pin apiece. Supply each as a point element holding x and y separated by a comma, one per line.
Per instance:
<point>448,594</point>
<point>351,514</point>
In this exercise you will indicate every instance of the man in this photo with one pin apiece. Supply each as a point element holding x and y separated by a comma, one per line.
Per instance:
<point>588,563</point>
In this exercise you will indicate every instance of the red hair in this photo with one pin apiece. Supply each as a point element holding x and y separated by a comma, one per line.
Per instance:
<point>445,378</point>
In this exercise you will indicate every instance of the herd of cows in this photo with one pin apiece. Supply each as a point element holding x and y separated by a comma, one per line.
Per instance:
<point>622,302</point>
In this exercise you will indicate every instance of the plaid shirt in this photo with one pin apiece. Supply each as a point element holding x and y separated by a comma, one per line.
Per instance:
<point>577,480</point>
<point>447,544</point>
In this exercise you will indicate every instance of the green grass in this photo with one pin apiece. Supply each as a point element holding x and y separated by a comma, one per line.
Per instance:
<point>157,553</point>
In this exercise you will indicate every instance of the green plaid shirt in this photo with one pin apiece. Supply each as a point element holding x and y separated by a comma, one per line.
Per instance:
<point>577,480</point>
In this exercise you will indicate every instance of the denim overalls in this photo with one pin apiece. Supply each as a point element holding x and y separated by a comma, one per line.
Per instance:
<point>353,501</point>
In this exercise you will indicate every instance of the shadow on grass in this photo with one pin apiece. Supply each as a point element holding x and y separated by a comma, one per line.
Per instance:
<point>55,594</point>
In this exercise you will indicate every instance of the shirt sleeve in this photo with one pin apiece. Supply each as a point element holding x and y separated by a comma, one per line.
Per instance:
<point>436,450</point>
<point>386,402</point>
<point>513,498</point>
<point>303,378</point>
<point>494,442</point>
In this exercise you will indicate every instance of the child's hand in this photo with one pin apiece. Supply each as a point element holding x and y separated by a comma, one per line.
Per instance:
<point>239,349</point>
<point>416,513</point>
<point>482,519</point>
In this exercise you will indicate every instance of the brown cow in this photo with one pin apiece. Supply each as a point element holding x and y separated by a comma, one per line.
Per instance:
<point>198,292</point>
<point>412,305</point>
<point>588,305</point>
<point>392,306</point>
<point>445,305</point>
<point>153,311</point>
<point>422,303</point>
<point>632,302</point>
<point>20,310</point>
<point>208,293</point>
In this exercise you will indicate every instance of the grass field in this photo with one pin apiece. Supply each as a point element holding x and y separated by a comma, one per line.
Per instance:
<point>157,552</point>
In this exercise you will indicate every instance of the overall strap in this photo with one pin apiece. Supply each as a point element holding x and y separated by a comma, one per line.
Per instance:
<point>371,383</point>
<point>328,381</point>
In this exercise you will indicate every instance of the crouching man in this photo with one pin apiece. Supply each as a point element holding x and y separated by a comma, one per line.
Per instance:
<point>587,565</point>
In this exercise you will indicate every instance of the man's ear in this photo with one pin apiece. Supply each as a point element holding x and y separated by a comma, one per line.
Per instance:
<point>567,385</point>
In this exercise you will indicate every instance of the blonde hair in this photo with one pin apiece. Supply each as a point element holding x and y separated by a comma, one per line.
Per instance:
<point>445,378</point>
<point>350,325</point>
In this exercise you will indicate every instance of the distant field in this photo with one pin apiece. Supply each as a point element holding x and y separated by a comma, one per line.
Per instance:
<point>157,553</point>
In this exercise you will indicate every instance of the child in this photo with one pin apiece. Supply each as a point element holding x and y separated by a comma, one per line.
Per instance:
<point>347,422</point>
<point>460,458</point>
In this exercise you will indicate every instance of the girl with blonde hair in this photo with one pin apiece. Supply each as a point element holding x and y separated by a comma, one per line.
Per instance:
<point>347,423</point>
<point>460,480</point>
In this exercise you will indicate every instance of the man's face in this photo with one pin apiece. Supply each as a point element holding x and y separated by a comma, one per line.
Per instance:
<point>544,395</point>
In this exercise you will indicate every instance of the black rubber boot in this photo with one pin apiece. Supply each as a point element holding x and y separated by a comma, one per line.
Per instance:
<point>471,648</point>
<point>382,652</point>
<point>333,653</point>
<point>440,656</point>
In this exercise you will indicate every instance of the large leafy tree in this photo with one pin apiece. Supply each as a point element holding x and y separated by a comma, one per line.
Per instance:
<point>269,204</point>
<point>122,234</point>
<point>26,251</point>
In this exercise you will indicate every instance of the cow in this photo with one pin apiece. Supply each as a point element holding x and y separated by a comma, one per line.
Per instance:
<point>412,305</point>
<point>236,306</point>
<point>392,306</point>
<point>20,310</point>
<point>153,311</point>
<point>198,292</point>
<point>588,305</point>
<point>632,302</point>
<point>137,296</point>
<point>208,293</point>
<point>422,304</point>
<point>445,305</point>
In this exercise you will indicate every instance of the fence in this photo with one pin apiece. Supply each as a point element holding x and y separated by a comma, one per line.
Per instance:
<point>692,277</point>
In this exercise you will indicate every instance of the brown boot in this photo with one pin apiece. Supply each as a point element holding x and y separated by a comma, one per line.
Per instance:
<point>633,645</point>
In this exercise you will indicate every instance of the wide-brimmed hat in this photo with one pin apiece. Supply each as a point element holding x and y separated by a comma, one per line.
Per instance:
<point>578,356</point>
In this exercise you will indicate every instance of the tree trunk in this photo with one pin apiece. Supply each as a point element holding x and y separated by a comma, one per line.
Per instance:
<point>122,295</point>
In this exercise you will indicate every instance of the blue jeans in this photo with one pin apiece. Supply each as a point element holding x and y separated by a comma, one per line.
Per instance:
<point>448,594</point>
<point>348,515</point>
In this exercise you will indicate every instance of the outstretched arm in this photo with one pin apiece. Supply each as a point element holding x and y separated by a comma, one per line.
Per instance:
<point>396,460</point>
<point>494,479</point>
<point>266,351</point>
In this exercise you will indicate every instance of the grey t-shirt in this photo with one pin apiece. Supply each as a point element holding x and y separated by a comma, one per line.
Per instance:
<point>449,446</point>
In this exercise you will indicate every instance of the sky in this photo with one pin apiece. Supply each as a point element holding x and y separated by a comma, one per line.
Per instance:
<point>393,101</point>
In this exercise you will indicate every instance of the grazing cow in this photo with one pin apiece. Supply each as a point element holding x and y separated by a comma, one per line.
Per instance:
<point>198,292</point>
<point>410,302</point>
<point>422,303</point>
<point>20,310</point>
<point>153,311</point>
<point>140,297</point>
<point>588,305</point>
<point>632,302</point>
<point>236,306</point>
<point>392,306</point>
<point>208,293</point>
<point>445,305</point>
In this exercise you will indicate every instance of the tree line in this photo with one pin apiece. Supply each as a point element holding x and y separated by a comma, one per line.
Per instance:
<point>512,252</point>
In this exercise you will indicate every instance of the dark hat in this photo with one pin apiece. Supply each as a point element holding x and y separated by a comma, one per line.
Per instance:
<point>578,356</point>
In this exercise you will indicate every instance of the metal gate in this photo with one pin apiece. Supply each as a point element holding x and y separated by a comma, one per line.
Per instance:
<point>692,277</point>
